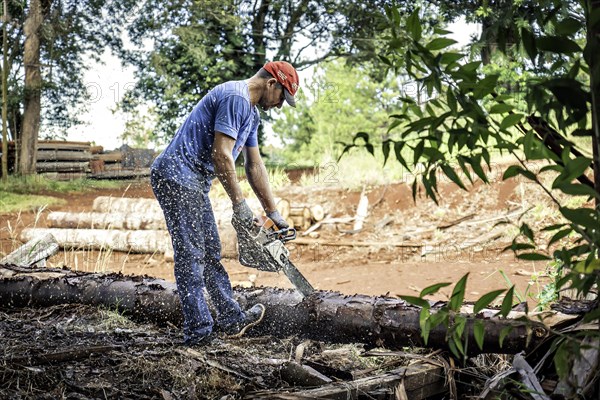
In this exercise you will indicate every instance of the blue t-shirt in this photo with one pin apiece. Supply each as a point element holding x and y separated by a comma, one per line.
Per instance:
<point>187,159</point>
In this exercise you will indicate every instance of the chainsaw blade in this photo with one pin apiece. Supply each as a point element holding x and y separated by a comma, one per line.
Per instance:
<point>297,279</point>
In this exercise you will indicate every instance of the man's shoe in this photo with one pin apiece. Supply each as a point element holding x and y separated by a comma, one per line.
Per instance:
<point>251,317</point>
<point>206,340</point>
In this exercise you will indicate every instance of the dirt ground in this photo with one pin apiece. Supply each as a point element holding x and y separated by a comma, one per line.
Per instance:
<point>403,248</point>
<point>83,352</point>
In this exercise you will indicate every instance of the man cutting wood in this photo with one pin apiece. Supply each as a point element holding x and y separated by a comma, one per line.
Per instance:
<point>220,127</point>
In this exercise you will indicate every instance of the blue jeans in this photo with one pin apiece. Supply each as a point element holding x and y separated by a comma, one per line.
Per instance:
<point>197,248</point>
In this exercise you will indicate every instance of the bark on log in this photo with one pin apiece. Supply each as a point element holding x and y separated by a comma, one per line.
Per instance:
<point>114,220</point>
<point>325,316</point>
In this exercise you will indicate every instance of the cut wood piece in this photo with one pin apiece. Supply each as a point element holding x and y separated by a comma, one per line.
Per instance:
<point>109,204</point>
<point>62,166</point>
<point>113,220</point>
<point>149,241</point>
<point>36,249</point>
<point>324,316</point>
<point>317,213</point>
<point>420,381</point>
<point>115,156</point>
<point>96,149</point>
<point>299,222</point>
<point>283,206</point>
<point>302,375</point>
<point>361,212</point>
<point>63,155</point>
<point>300,211</point>
<point>62,145</point>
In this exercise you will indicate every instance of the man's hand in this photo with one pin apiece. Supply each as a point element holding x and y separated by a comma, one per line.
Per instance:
<point>278,219</point>
<point>242,216</point>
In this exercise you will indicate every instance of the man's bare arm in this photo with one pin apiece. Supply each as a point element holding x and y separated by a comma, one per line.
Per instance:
<point>258,178</point>
<point>225,166</point>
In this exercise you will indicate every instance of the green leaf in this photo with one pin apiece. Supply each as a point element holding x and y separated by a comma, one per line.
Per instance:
<point>361,135</point>
<point>503,334</point>
<point>568,26</point>
<point>528,40</point>
<point>501,108</point>
<point>451,101</point>
<point>581,216</point>
<point>526,230</point>
<point>507,303</point>
<point>433,289</point>
<point>557,44</point>
<point>440,43</point>
<point>559,235</point>
<point>511,172</point>
<point>418,151</point>
<point>511,120</point>
<point>450,173</point>
<point>413,25</point>
<point>370,149</point>
<point>486,299</point>
<point>450,58</point>
<point>576,189</point>
<point>385,148</point>
<point>458,294</point>
<point>533,257</point>
<point>416,301</point>
<point>573,169</point>
<point>479,332</point>
<point>486,86</point>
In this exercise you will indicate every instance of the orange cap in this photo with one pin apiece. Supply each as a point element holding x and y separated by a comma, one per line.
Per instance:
<point>285,74</point>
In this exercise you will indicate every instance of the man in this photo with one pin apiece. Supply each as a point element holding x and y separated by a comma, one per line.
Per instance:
<point>220,127</point>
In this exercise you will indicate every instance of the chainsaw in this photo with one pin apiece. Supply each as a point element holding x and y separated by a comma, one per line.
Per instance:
<point>262,247</point>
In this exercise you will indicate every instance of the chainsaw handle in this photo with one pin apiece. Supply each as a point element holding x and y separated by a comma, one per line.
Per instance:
<point>285,234</point>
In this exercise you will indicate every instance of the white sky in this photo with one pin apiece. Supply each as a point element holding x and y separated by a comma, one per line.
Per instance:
<point>107,82</point>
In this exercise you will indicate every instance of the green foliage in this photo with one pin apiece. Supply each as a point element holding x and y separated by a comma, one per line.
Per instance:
<point>198,44</point>
<point>71,30</point>
<point>476,108</point>
<point>334,103</point>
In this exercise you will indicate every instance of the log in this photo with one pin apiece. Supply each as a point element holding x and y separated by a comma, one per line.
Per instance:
<point>63,155</point>
<point>325,316</point>
<point>61,166</point>
<point>135,241</point>
<point>113,220</point>
<point>317,213</point>
<point>114,156</point>
<point>419,381</point>
<point>149,241</point>
<point>109,204</point>
<point>35,250</point>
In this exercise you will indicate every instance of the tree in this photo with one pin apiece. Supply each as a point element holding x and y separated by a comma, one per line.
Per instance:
<point>47,42</point>
<point>200,43</point>
<point>338,99</point>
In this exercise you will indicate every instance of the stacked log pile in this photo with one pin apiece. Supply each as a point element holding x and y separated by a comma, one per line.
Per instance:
<point>138,225</point>
<point>58,159</point>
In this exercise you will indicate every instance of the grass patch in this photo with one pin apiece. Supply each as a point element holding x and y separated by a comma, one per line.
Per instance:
<point>35,184</point>
<point>11,202</point>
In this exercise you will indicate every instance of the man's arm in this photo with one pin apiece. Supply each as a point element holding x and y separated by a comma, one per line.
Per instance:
<point>258,178</point>
<point>225,166</point>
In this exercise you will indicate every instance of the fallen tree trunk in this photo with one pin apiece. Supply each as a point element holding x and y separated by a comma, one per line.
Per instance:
<point>324,316</point>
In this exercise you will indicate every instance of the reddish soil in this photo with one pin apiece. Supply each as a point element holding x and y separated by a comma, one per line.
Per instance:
<point>384,267</point>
